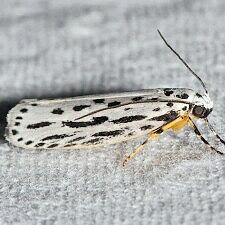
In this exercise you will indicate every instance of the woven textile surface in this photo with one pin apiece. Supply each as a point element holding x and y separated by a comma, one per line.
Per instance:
<point>54,49</point>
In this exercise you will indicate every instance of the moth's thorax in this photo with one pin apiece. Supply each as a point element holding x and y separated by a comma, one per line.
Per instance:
<point>202,105</point>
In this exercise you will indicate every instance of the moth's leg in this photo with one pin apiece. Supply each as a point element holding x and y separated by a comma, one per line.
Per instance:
<point>175,124</point>
<point>197,132</point>
<point>138,149</point>
<point>214,132</point>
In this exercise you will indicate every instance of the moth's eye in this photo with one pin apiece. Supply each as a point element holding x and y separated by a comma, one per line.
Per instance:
<point>199,111</point>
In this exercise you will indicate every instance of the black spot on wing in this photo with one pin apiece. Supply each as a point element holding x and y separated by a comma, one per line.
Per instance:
<point>76,139</point>
<point>39,125</point>
<point>99,120</point>
<point>24,110</point>
<point>53,145</point>
<point>127,119</point>
<point>93,141</point>
<point>108,133</point>
<point>57,136</point>
<point>19,139</point>
<point>198,95</point>
<point>115,103</point>
<point>184,108</point>
<point>156,109</point>
<point>28,142</point>
<point>39,144</point>
<point>147,127</point>
<point>166,117</point>
<point>126,109</point>
<point>14,132</point>
<point>170,104</point>
<point>183,96</point>
<point>168,91</point>
<point>95,121</point>
<point>80,107</point>
<point>138,98</point>
<point>70,145</point>
<point>17,123</point>
<point>58,111</point>
<point>154,99</point>
<point>19,118</point>
<point>99,101</point>
<point>34,104</point>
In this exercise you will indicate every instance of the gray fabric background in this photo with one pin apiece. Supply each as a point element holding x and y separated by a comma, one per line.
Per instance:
<point>69,48</point>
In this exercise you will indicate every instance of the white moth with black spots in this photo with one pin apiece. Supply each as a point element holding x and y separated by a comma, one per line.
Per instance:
<point>106,119</point>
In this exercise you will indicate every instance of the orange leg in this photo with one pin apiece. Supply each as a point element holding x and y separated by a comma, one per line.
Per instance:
<point>176,124</point>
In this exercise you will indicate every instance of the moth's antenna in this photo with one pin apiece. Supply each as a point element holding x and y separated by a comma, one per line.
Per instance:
<point>203,85</point>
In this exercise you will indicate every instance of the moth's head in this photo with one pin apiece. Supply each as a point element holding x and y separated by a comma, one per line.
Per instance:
<point>203,106</point>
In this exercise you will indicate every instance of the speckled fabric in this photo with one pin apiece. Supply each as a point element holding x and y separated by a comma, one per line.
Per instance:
<point>51,49</point>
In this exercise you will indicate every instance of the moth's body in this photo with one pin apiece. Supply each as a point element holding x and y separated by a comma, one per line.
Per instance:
<point>97,120</point>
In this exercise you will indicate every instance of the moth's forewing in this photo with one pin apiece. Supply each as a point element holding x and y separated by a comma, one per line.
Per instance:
<point>93,120</point>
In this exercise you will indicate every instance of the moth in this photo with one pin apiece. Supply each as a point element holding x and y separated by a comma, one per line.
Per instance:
<point>110,118</point>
